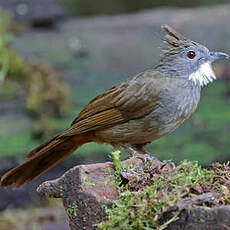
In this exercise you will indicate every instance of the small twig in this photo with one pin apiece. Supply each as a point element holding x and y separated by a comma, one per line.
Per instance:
<point>184,203</point>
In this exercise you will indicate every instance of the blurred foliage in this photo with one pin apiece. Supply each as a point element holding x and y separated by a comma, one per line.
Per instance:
<point>5,38</point>
<point>46,94</point>
<point>33,217</point>
<point>88,7</point>
<point>7,29</point>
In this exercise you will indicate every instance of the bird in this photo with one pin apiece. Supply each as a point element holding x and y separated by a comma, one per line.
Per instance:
<point>134,113</point>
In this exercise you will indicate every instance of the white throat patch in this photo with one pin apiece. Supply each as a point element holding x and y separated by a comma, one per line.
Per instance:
<point>203,75</point>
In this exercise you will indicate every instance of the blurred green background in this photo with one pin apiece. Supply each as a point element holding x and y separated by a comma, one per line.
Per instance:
<point>55,61</point>
<point>88,7</point>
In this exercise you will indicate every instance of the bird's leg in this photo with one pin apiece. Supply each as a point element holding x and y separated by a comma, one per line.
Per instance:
<point>145,152</point>
<point>139,152</point>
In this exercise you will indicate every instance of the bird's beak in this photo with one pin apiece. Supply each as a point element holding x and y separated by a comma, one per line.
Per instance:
<point>218,55</point>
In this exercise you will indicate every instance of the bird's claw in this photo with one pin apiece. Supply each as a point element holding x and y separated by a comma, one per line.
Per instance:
<point>144,157</point>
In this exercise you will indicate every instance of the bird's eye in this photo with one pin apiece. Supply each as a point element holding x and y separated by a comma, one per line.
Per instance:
<point>191,54</point>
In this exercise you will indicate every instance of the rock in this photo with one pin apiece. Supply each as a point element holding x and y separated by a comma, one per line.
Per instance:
<point>85,189</point>
<point>55,226</point>
<point>201,218</point>
<point>42,12</point>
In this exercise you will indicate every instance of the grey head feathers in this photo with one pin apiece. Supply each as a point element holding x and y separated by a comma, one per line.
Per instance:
<point>187,59</point>
<point>174,38</point>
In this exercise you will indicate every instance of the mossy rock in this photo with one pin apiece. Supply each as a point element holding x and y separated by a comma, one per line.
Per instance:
<point>134,195</point>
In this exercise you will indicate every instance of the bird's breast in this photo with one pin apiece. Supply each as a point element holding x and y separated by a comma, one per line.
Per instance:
<point>176,105</point>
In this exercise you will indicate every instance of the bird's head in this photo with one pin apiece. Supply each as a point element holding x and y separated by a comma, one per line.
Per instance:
<point>188,59</point>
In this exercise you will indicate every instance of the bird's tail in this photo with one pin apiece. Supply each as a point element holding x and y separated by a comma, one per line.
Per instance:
<point>41,159</point>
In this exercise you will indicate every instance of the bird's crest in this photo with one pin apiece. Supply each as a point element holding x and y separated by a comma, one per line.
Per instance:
<point>174,38</point>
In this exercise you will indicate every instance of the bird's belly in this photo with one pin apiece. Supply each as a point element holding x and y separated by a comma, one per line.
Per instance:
<point>160,122</point>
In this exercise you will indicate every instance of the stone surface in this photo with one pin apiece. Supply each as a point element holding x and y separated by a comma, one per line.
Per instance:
<point>84,190</point>
<point>201,218</point>
<point>55,226</point>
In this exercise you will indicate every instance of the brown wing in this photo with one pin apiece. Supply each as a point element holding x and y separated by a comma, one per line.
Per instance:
<point>131,100</point>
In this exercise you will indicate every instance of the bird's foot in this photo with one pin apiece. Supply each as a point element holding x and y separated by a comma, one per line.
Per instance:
<point>143,155</point>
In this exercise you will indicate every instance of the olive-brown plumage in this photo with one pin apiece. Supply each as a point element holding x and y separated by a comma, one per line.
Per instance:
<point>132,114</point>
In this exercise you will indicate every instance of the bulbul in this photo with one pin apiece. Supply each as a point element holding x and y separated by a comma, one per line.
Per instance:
<point>130,115</point>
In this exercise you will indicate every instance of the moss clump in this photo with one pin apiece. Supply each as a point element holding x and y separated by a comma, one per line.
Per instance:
<point>72,209</point>
<point>117,162</point>
<point>150,191</point>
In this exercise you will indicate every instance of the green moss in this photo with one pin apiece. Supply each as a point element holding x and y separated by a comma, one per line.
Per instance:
<point>72,209</point>
<point>145,198</point>
<point>116,161</point>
